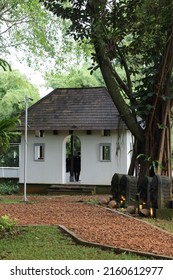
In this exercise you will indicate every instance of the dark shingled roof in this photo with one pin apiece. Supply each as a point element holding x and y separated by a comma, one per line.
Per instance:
<point>73,109</point>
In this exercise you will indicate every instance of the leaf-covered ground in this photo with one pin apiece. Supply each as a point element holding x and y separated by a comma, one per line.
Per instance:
<point>91,223</point>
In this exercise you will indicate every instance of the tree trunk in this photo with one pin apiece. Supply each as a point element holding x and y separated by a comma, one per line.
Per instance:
<point>107,71</point>
<point>154,141</point>
<point>158,125</point>
<point>133,168</point>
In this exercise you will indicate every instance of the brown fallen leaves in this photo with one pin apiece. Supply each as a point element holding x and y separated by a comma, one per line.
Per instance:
<point>91,223</point>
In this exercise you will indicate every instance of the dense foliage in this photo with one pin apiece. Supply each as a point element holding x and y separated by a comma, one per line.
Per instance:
<point>136,35</point>
<point>8,187</point>
<point>30,34</point>
<point>26,25</point>
<point>8,133</point>
<point>13,89</point>
<point>74,77</point>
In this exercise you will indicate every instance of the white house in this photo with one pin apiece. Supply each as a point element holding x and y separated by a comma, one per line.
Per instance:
<point>85,117</point>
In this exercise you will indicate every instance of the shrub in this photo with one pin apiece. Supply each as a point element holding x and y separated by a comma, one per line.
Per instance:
<point>9,187</point>
<point>7,225</point>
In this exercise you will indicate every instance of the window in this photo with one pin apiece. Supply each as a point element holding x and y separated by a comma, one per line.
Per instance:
<point>39,133</point>
<point>39,151</point>
<point>105,152</point>
<point>55,132</point>
<point>88,132</point>
<point>106,132</point>
<point>10,158</point>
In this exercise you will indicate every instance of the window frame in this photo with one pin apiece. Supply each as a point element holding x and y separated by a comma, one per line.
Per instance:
<point>102,152</point>
<point>40,151</point>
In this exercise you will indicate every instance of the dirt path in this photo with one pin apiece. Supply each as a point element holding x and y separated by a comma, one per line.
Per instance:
<point>91,223</point>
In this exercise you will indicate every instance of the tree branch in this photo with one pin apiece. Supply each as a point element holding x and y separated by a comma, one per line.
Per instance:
<point>113,88</point>
<point>123,61</point>
<point>21,21</point>
<point>97,34</point>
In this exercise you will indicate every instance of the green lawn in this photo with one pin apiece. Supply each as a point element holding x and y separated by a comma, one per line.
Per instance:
<point>48,243</point>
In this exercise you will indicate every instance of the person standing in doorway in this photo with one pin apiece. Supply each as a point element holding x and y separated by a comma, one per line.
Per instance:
<point>77,166</point>
<point>68,163</point>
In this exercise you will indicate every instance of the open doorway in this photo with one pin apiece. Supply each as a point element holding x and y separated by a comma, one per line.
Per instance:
<point>73,158</point>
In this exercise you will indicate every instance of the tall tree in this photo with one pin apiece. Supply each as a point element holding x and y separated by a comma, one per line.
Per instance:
<point>29,33</point>
<point>19,24</point>
<point>13,88</point>
<point>27,26</point>
<point>138,36</point>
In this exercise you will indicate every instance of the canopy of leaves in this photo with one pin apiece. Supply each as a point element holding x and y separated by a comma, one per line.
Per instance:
<point>13,88</point>
<point>30,32</point>
<point>76,77</point>
<point>136,35</point>
<point>25,24</point>
<point>133,34</point>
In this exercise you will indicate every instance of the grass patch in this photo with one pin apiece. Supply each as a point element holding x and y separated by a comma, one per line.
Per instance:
<point>92,201</point>
<point>9,200</point>
<point>164,224</point>
<point>48,243</point>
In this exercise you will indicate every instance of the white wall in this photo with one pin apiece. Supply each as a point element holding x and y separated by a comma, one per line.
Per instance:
<point>52,170</point>
<point>49,170</point>
<point>99,172</point>
<point>9,172</point>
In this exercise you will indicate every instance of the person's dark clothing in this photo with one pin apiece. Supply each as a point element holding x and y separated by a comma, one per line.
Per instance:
<point>68,162</point>
<point>77,167</point>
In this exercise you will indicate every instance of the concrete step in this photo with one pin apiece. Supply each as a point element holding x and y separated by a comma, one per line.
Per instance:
<point>71,189</point>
